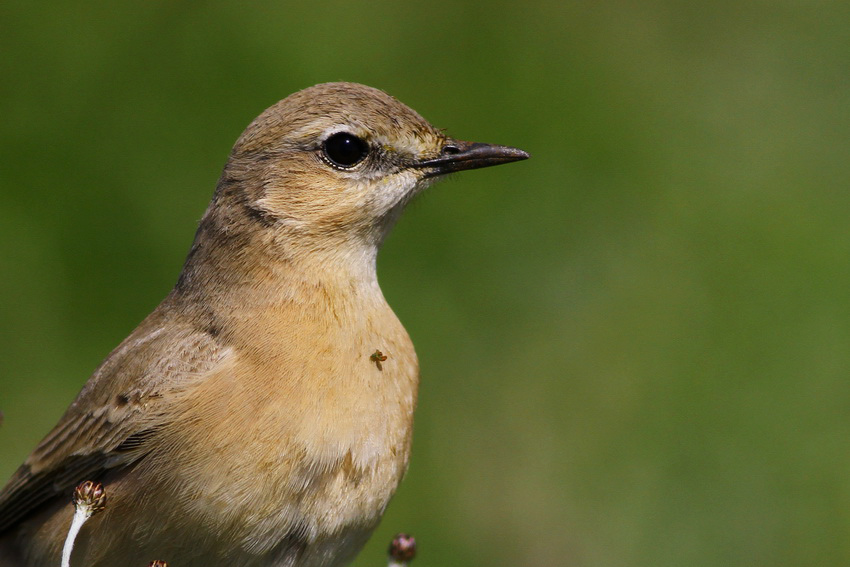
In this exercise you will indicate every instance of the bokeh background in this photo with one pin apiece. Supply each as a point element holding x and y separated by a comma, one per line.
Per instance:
<point>635,347</point>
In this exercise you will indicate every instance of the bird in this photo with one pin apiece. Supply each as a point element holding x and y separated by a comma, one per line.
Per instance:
<point>262,414</point>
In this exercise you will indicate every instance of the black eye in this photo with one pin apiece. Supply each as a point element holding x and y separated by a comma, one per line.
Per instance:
<point>344,149</point>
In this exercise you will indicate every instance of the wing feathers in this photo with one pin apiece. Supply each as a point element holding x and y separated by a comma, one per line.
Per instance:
<point>115,418</point>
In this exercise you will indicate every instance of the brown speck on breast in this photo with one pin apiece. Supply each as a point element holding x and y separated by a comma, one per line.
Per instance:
<point>378,357</point>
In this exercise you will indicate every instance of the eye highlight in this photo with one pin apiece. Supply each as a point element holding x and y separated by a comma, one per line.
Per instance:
<point>345,150</point>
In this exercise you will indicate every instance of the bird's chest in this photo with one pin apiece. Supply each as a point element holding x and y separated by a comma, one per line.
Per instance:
<point>325,423</point>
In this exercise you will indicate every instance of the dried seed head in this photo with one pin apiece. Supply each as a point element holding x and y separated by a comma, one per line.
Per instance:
<point>89,497</point>
<point>403,548</point>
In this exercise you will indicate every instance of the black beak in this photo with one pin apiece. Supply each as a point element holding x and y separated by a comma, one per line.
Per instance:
<point>458,155</point>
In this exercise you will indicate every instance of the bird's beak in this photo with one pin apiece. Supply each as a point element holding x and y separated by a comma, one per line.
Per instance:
<point>458,155</point>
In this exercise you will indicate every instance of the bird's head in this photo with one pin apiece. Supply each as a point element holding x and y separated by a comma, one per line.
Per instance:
<point>340,160</point>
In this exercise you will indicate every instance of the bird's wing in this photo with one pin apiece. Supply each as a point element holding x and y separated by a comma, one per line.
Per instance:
<point>120,409</point>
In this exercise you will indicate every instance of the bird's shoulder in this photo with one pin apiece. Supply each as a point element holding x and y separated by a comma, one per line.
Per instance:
<point>119,410</point>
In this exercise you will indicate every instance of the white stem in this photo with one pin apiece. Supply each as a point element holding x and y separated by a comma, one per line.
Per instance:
<point>81,514</point>
<point>393,563</point>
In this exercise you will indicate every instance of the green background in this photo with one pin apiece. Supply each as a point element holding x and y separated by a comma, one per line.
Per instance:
<point>634,346</point>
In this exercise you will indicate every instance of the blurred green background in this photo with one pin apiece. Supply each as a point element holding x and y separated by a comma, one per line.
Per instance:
<point>634,346</point>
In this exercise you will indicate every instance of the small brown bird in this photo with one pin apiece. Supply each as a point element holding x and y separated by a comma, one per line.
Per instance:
<point>247,420</point>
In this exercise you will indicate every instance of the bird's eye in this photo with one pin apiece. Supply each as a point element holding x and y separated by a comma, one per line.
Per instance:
<point>344,149</point>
